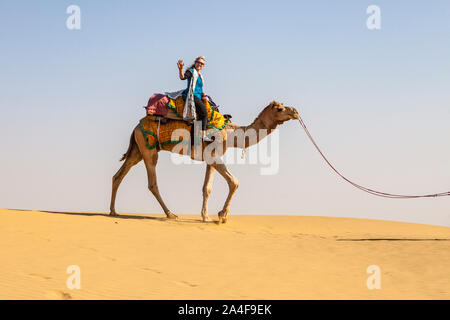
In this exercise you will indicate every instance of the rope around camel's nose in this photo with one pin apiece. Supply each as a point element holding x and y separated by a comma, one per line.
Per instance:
<point>371,191</point>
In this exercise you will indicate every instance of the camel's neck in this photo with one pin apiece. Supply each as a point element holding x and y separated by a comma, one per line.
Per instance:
<point>254,133</point>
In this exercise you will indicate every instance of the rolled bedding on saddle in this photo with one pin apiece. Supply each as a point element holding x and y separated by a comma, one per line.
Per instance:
<point>157,105</point>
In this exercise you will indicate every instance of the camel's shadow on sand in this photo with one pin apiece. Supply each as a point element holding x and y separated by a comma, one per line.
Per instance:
<point>130,216</point>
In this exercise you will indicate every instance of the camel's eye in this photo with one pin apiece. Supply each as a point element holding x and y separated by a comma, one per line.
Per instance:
<point>280,109</point>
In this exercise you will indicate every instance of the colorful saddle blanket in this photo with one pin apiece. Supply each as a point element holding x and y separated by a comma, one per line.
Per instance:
<point>159,134</point>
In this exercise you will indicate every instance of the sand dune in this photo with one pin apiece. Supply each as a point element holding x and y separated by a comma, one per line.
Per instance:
<point>251,257</point>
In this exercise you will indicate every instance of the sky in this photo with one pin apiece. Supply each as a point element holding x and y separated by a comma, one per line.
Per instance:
<point>376,101</point>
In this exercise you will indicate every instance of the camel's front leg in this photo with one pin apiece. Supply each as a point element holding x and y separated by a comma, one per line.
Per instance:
<point>207,187</point>
<point>232,185</point>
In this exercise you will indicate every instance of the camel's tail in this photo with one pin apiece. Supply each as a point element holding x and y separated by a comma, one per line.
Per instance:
<point>132,143</point>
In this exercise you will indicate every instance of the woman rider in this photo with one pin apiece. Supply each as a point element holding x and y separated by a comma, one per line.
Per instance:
<point>200,108</point>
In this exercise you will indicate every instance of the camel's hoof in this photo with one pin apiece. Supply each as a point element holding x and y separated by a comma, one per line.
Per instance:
<point>206,219</point>
<point>222,217</point>
<point>171,216</point>
<point>113,214</point>
<point>222,220</point>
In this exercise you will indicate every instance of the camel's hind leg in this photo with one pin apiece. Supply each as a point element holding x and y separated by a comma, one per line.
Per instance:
<point>133,157</point>
<point>150,157</point>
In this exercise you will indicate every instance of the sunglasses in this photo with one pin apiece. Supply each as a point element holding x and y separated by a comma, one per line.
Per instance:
<point>199,62</point>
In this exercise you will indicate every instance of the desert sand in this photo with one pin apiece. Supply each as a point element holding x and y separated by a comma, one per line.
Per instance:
<point>139,256</point>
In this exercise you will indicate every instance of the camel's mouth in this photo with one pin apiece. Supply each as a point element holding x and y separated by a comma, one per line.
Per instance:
<point>293,113</point>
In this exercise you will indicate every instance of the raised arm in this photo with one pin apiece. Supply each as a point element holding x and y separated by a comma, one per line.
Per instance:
<point>180,65</point>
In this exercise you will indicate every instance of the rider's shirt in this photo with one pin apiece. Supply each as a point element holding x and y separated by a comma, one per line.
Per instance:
<point>198,86</point>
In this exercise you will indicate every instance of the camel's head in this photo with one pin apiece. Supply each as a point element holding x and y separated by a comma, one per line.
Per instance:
<point>280,113</point>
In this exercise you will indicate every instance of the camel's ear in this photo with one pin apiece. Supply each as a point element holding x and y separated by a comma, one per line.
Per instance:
<point>279,107</point>
<point>275,104</point>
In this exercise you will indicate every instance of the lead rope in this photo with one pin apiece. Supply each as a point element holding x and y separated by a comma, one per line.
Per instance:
<point>371,191</point>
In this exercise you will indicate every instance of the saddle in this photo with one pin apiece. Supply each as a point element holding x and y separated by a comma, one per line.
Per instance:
<point>165,115</point>
<point>161,107</point>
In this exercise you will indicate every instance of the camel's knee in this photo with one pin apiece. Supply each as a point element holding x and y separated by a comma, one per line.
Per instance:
<point>116,178</point>
<point>207,191</point>
<point>153,188</point>
<point>234,184</point>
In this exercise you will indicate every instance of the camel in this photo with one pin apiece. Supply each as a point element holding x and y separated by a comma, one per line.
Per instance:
<point>267,120</point>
